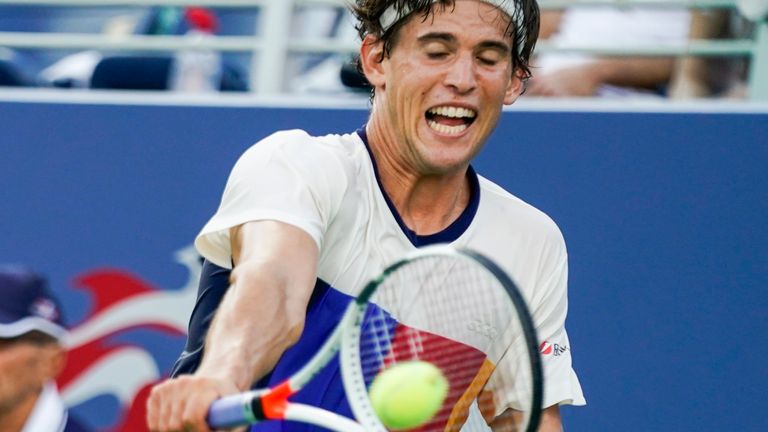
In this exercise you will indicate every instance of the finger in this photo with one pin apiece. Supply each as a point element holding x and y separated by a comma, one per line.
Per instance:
<point>173,396</point>
<point>163,409</point>
<point>174,410</point>
<point>196,410</point>
<point>154,403</point>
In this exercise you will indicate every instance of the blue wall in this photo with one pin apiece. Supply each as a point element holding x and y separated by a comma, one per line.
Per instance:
<point>664,215</point>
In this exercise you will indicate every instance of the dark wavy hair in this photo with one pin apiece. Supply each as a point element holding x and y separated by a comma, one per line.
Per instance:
<point>524,35</point>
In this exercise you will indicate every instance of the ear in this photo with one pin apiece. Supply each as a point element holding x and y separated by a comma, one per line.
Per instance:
<point>371,59</point>
<point>515,87</point>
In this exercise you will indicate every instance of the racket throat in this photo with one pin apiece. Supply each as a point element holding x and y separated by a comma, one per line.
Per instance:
<point>272,404</point>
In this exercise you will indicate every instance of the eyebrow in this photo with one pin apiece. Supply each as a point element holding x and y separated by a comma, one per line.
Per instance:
<point>450,38</point>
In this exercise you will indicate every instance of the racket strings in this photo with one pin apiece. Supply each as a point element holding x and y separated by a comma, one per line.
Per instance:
<point>452,312</point>
<point>401,350</point>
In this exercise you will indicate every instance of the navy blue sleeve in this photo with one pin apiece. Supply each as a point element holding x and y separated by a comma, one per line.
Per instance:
<point>214,282</point>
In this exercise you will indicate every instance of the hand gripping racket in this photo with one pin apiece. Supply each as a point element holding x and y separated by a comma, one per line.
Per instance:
<point>453,308</point>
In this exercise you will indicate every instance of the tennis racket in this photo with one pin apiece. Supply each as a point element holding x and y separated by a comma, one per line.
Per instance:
<point>453,308</point>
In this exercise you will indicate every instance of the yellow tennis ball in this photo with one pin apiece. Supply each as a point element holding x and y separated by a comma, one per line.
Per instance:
<point>408,394</point>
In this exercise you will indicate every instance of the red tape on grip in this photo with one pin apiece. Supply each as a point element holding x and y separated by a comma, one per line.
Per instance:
<point>275,402</point>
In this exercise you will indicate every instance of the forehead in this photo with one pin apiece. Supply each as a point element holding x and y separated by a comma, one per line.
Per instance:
<point>15,350</point>
<point>471,19</point>
<point>32,339</point>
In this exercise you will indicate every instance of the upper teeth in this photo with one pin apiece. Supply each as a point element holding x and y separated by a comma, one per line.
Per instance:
<point>455,112</point>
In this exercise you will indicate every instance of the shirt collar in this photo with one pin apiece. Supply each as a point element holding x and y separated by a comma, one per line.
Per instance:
<point>49,413</point>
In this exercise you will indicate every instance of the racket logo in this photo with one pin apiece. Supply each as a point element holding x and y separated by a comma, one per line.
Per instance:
<point>484,329</point>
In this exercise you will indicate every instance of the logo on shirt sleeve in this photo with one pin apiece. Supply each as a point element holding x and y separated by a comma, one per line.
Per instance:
<point>549,349</point>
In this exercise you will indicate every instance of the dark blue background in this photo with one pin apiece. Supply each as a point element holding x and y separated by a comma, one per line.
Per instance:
<point>664,215</point>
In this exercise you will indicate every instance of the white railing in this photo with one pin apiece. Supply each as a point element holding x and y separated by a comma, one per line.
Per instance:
<point>272,47</point>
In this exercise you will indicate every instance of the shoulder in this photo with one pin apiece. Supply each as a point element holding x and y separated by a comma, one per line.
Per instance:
<point>304,151</point>
<point>509,210</point>
<point>300,143</point>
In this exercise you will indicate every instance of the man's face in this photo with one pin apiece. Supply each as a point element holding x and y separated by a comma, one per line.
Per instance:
<point>25,365</point>
<point>445,82</point>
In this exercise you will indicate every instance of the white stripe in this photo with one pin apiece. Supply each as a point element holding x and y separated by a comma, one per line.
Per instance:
<point>29,324</point>
<point>49,413</point>
<point>63,423</point>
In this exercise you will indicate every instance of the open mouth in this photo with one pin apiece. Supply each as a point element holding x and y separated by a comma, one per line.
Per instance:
<point>450,120</point>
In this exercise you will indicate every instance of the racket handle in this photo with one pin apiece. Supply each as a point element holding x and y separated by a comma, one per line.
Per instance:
<point>232,411</point>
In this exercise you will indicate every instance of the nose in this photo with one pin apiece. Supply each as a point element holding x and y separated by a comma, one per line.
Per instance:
<point>461,74</point>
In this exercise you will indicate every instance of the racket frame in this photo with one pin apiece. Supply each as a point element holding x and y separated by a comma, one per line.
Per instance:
<point>351,369</point>
<point>273,404</point>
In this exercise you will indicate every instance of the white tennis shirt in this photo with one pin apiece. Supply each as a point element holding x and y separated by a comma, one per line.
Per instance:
<point>328,187</point>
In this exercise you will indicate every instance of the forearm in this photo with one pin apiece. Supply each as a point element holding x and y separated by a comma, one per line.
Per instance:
<point>251,329</point>
<point>586,79</point>
<point>643,72</point>
<point>261,315</point>
<point>263,312</point>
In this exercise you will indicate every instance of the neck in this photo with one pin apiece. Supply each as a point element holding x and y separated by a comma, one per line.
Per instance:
<point>15,417</point>
<point>427,203</point>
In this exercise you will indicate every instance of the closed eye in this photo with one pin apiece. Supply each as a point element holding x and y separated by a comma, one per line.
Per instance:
<point>488,61</point>
<point>491,57</point>
<point>437,55</point>
<point>437,46</point>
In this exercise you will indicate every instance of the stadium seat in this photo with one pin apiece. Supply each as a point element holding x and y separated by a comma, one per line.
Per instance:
<point>150,73</point>
<point>11,75</point>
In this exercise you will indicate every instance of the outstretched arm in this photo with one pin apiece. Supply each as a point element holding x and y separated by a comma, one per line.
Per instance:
<point>585,79</point>
<point>261,315</point>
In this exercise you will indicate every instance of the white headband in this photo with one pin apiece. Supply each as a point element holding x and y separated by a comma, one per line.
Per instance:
<point>391,16</point>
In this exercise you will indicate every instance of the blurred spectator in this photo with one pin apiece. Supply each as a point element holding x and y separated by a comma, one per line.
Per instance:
<point>321,73</point>
<point>31,355</point>
<point>76,70</point>
<point>197,70</point>
<point>137,71</point>
<point>305,72</point>
<point>698,77</point>
<point>23,17</point>
<point>575,74</point>
<point>72,71</point>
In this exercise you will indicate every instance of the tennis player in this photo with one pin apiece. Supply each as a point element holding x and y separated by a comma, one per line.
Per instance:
<point>305,221</point>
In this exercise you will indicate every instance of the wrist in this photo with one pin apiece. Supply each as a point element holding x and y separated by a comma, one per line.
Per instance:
<point>226,376</point>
